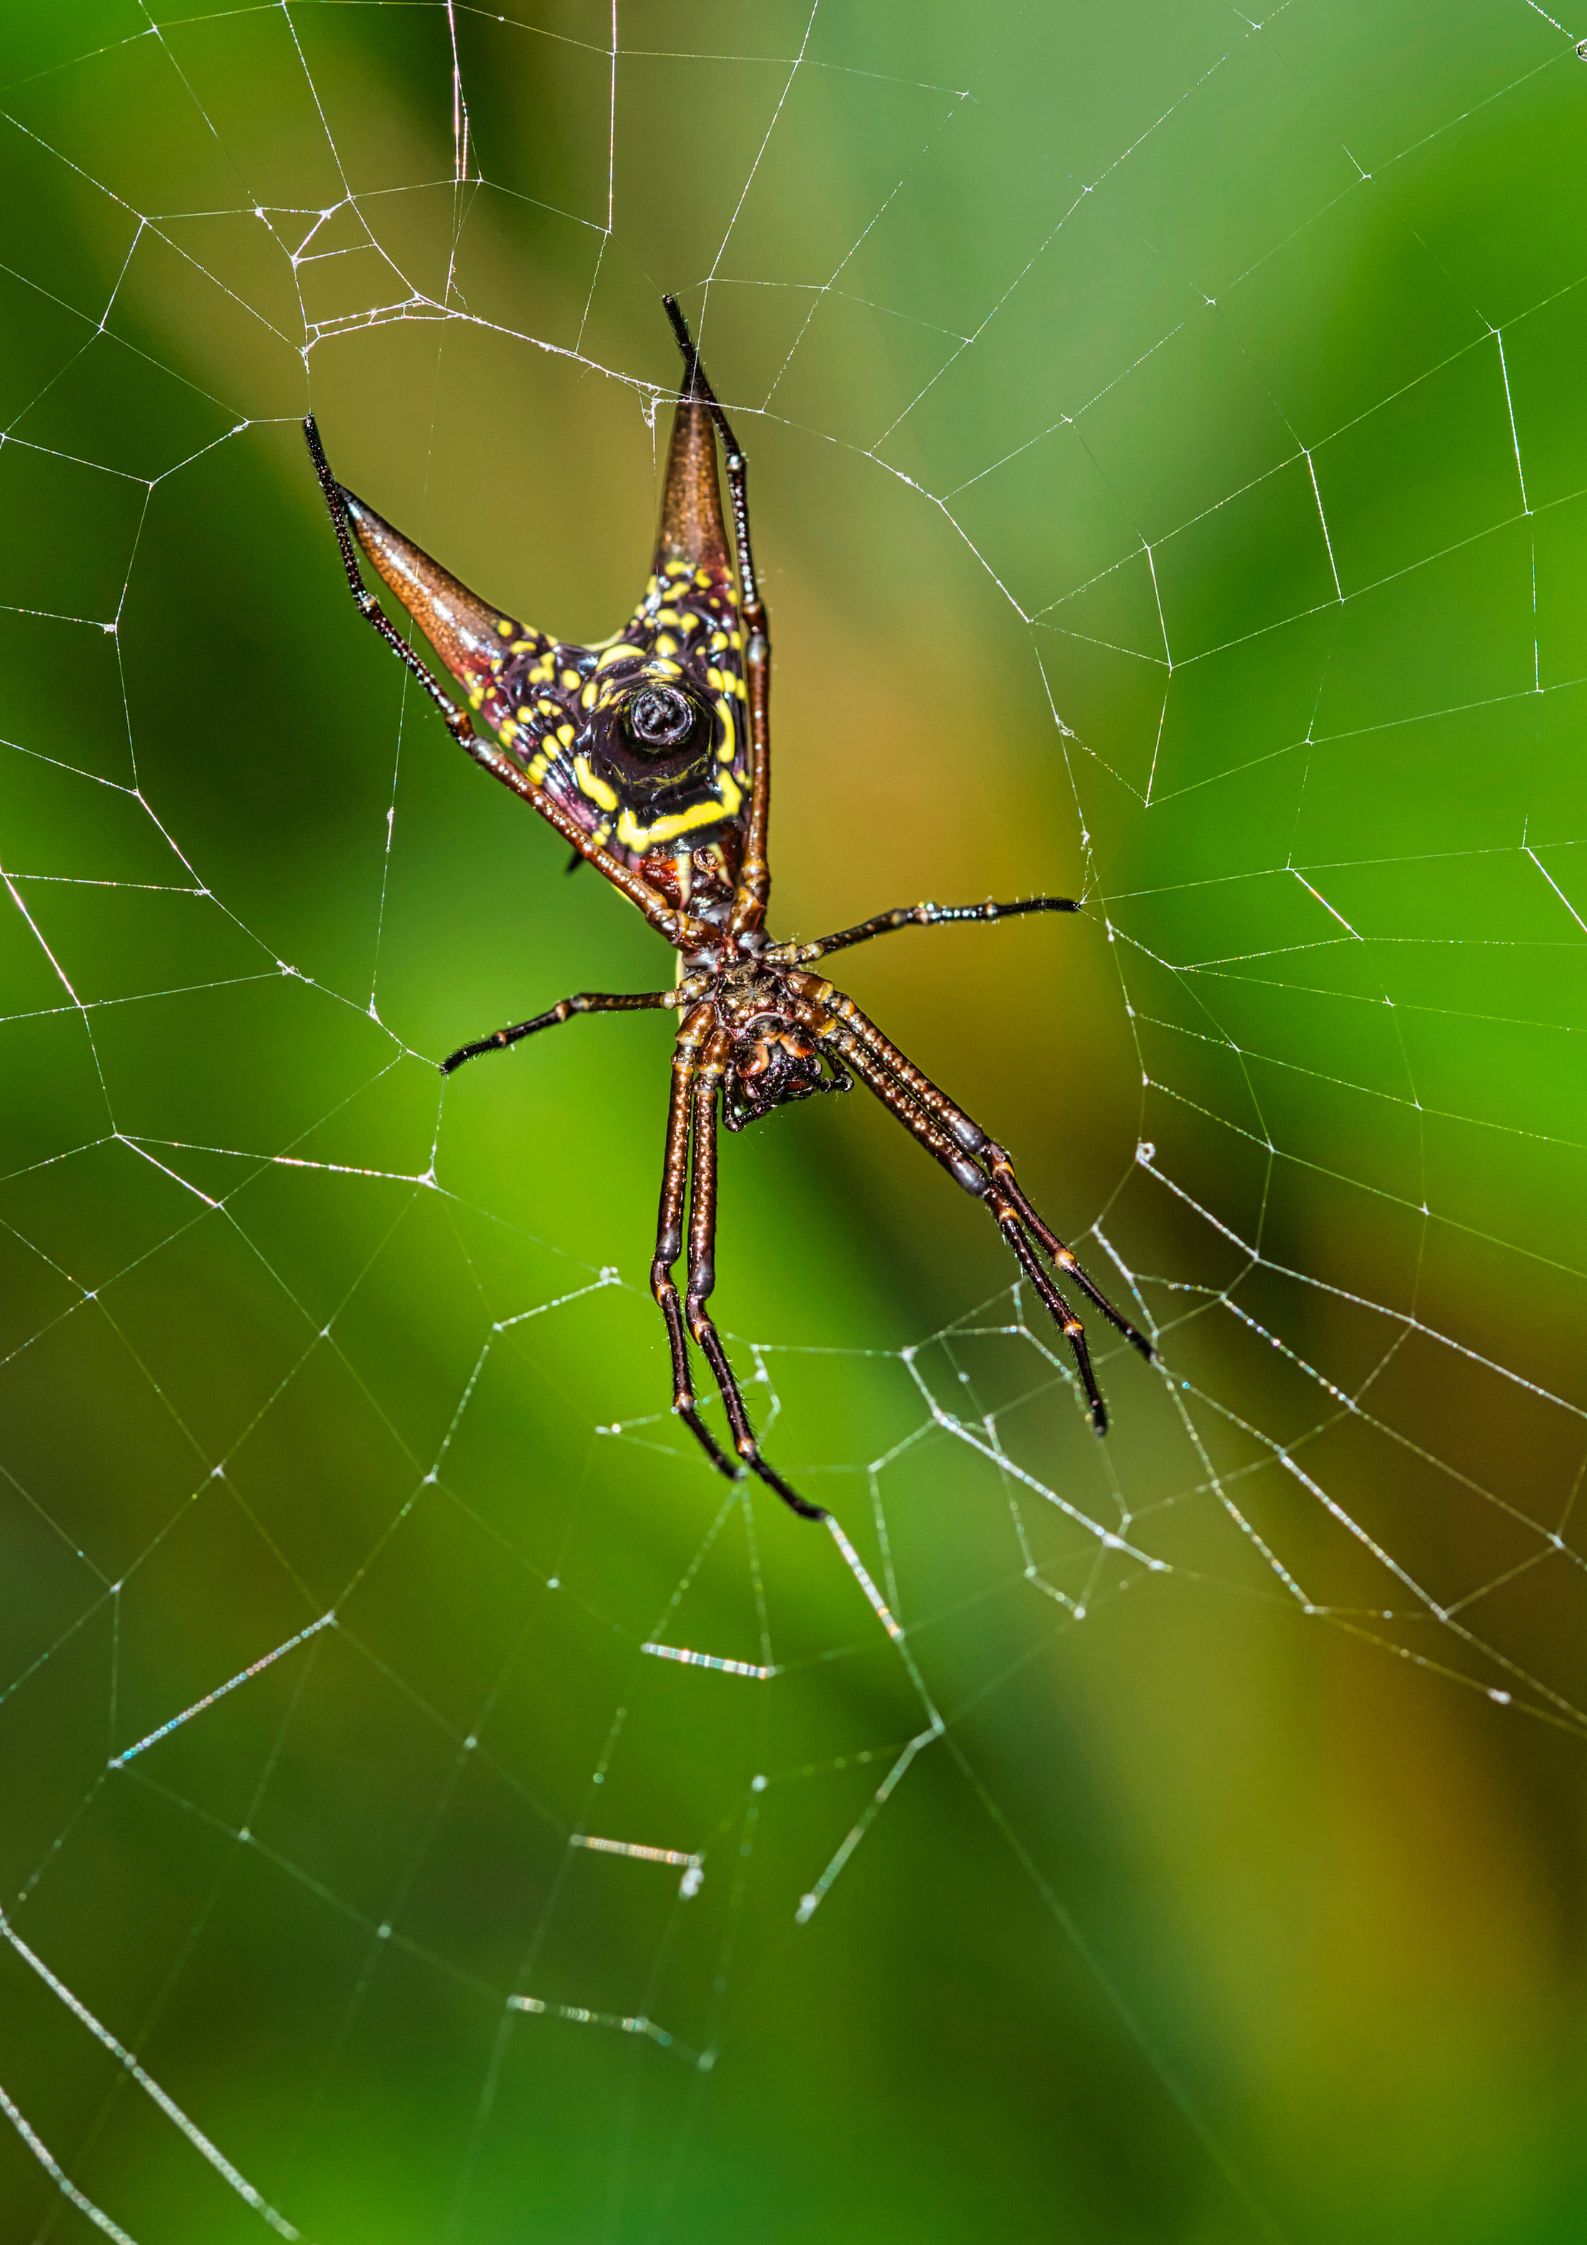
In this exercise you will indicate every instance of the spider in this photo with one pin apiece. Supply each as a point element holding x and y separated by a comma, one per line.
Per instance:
<point>651,755</point>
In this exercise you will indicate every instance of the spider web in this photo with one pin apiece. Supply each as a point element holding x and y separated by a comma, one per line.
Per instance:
<point>435,1808</point>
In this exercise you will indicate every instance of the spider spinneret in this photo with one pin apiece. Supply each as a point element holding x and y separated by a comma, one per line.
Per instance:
<point>651,755</point>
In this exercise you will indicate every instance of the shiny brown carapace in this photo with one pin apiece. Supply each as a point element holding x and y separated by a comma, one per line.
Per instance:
<point>651,755</point>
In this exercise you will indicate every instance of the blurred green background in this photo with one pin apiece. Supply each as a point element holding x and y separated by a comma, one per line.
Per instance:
<point>1167,444</point>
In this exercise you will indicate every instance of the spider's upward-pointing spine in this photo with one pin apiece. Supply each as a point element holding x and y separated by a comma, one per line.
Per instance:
<point>651,755</point>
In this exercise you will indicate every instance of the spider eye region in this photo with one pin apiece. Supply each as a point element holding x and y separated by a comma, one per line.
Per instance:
<point>659,720</point>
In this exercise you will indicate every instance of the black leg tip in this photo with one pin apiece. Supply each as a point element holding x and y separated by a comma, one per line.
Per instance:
<point>790,1497</point>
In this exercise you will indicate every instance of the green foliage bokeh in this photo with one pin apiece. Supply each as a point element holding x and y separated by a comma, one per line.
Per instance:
<point>1165,438</point>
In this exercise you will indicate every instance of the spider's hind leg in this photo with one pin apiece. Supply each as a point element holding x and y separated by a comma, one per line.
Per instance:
<point>339,502</point>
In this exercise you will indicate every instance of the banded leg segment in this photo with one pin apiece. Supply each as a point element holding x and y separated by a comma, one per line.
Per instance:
<point>903,1103</point>
<point>702,1275</point>
<point>967,1132</point>
<point>585,1001</point>
<point>1002,1168</point>
<point>914,916</point>
<point>1057,1307</point>
<point>456,719</point>
<point>669,1233</point>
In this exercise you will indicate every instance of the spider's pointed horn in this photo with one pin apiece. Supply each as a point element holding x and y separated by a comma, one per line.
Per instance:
<point>465,631</point>
<point>692,525</point>
<point>693,528</point>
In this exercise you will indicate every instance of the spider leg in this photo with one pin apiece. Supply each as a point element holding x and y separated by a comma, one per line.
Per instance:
<point>900,1102</point>
<point>456,719</point>
<point>702,1276</point>
<point>669,1233</point>
<point>696,385</point>
<point>1002,1168</point>
<point>912,915</point>
<point>967,1134</point>
<point>586,1001</point>
<point>883,1072</point>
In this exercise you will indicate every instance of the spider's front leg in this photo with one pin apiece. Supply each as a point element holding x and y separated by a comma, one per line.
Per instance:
<point>585,1001</point>
<point>915,916</point>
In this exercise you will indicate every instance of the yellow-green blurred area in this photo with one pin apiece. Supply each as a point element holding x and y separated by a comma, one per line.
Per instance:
<point>1167,444</point>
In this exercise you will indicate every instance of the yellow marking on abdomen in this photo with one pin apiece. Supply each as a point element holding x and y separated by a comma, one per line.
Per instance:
<point>636,837</point>
<point>598,790</point>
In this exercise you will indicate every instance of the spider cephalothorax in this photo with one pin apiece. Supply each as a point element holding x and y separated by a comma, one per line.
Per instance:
<point>772,1055</point>
<point>651,755</point>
